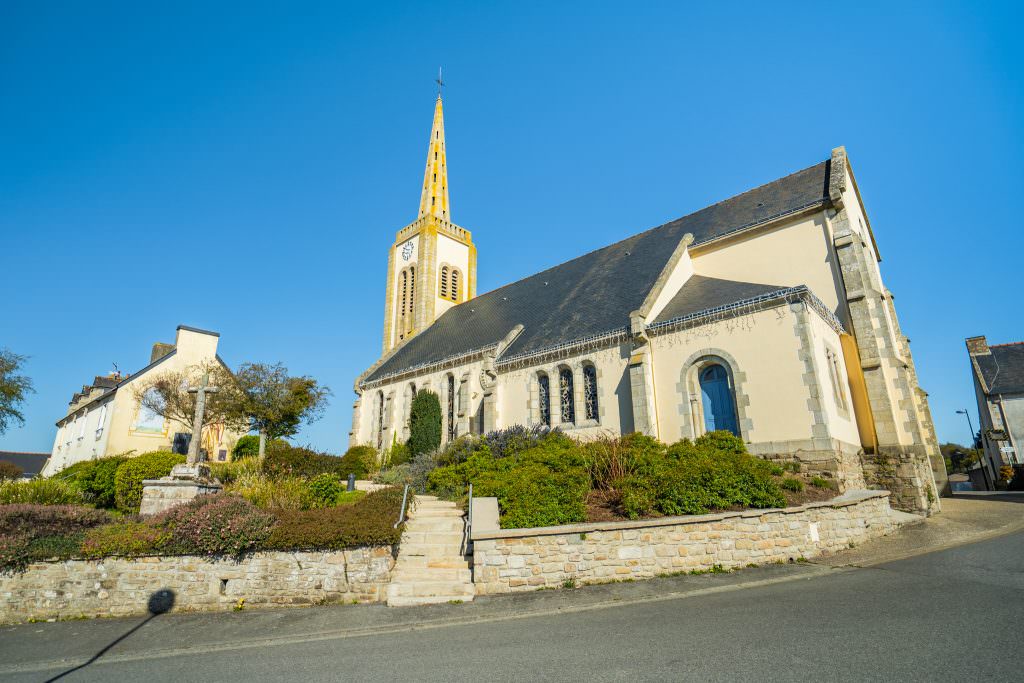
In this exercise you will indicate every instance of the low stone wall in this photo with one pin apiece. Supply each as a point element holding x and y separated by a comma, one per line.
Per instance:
<point>509,560</point>
<point>122,586</point>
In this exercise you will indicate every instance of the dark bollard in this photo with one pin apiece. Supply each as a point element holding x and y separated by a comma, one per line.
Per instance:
<point>351,482</point>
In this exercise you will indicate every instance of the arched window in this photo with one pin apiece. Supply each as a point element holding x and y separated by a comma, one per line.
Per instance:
<point>717,400</point>
<point>403,301</point>
<point>590,391</point>
<point>454,294</point>
<point>451,407</point>
<point>412,292</point>
<point>544,398</point>
<point>147,420</point>
<point>444,282</point>
<point>567,400</point>
<point>380,420</point>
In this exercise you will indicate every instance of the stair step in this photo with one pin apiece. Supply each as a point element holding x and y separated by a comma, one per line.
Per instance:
<point>438,512</point>
<point>409,601</point>
<point>420,561</point>
<point>433,550</point>
<point>432,537</point>
<point>446,524</point>
<point>429,588</point>
<point>420,575</point>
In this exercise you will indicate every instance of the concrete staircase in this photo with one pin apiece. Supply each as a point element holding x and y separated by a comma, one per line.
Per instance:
<point>430,566</point>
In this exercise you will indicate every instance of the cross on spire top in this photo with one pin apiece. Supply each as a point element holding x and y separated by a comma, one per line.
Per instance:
<point>440,82</point>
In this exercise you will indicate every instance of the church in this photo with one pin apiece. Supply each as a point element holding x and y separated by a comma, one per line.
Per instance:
<point>764,314</point>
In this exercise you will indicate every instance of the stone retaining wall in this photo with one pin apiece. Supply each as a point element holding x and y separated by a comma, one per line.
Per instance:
<point>122,586</point>
<point>509,560</point>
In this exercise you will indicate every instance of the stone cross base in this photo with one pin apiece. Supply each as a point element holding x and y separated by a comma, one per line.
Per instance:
<point>184,483</point>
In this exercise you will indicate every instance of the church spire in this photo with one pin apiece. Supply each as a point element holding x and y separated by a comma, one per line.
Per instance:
<point>434,199</point>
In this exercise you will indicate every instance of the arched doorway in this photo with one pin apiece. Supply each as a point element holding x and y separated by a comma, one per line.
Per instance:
<point>717,400</point>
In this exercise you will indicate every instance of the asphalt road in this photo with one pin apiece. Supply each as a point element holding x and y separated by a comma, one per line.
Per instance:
<point>956,614</point>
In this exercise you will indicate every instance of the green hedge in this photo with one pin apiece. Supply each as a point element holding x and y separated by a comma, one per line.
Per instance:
<point>424,423</point>
<point>40,491</point>
<point>132,472</point>
<point>284,460</point>
<point>367,522</point>
<point>96,479</point>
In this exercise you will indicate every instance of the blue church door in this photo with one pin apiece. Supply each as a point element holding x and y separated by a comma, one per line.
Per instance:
<point>716,396</point>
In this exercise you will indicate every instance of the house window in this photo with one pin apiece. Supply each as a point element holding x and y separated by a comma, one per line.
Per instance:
<point>567,400</point>
<point>590,391</point>
<point>836,376</point>
<point>717,400</point>
<point>451,407</point>
<point>544,398</point>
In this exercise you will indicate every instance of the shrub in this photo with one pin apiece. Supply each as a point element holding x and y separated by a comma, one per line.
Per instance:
<point>822,483</point>
<point>9,471</point>
<point>266,493</point>
<point>219,524</point>
<point>515,439</point>
<point>96,479</point>
<point>41,492</point>
<point>37,532</point>
<point>424,423</point>
<point>398,454</point>
<point>791,484</point>
<point>776,471</point>
<point>358,460</point>
<point>324,490</point>
<point>612,459</point>
<point>246,447</point>
<point>228,473</point>
<point>132,472</point>
<point>126,538</point>
<point>283,459</point>
<point>711,473</point>
<point>541,486</point>
<point>367,522</point>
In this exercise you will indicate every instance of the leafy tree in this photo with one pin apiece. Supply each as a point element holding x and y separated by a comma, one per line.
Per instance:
<point>424,423</point>
<point>959,458</point>
<point>9,471</point>
<point>273,403</point>
<point>167,395</point>
<point>13,388</point>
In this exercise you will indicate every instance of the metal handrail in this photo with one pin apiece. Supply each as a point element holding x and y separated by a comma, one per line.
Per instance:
<point>469,523</point>
<point>401,514</point>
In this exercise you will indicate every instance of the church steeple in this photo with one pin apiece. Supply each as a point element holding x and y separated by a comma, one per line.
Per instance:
<point>434,198</point>
<point>432,263</point>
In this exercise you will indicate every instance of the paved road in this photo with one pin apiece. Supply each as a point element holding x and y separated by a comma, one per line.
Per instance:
<point>950,615</point>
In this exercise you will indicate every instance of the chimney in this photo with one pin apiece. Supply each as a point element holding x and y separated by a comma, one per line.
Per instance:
<point>159,351</point>
<point>978,346</point>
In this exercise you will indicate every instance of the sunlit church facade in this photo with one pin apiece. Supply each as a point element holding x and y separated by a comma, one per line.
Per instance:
<point>765,315</point>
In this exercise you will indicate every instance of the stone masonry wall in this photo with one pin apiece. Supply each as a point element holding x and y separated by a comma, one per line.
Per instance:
<point>122,586</point>
<point>512,560</point>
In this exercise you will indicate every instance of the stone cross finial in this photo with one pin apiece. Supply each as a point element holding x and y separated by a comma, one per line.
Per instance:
<point>201,391</point>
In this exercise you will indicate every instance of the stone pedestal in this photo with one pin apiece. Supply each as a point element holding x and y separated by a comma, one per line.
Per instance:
<point>183,484</point>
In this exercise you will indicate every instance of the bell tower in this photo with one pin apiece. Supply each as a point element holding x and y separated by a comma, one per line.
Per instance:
<point>432,263</point>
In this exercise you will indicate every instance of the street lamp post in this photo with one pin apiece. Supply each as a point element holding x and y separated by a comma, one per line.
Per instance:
<point>981,457</point>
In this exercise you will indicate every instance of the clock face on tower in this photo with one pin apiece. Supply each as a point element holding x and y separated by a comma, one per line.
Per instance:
<point>407,249</point>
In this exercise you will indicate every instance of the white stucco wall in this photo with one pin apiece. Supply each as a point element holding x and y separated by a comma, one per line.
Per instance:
<point>842,421</point>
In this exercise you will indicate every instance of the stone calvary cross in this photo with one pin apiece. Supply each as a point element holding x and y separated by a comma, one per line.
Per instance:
<point>200,391</point>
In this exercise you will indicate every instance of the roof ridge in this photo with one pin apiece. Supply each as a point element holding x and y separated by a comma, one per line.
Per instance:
<point>1020,343</point>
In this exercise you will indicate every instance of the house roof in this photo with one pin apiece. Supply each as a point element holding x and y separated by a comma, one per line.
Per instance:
<point>701,293</point>
<point>594,294</point>
<point>1003,369</point>
<point>31,464</point>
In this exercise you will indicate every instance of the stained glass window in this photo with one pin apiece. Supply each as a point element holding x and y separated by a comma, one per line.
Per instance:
<point>590,391</point>
<point>380,419</point>
<point>451,407</point>
<point>568,402</point>
<point>544,399</point>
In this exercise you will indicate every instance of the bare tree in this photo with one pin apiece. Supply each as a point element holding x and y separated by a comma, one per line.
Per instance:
<point>167,395</point>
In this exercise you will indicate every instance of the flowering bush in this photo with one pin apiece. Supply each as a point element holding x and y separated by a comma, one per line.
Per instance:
<point>31,532</point>
<point>215,525</point>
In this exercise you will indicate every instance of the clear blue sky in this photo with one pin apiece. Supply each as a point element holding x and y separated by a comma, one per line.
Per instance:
<point>244,167</point>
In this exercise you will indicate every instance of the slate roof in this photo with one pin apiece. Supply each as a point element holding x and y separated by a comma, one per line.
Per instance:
<point>30,463</point>
<point>595,293</point>
<point>701,293</point>
<point>1003,371</point>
